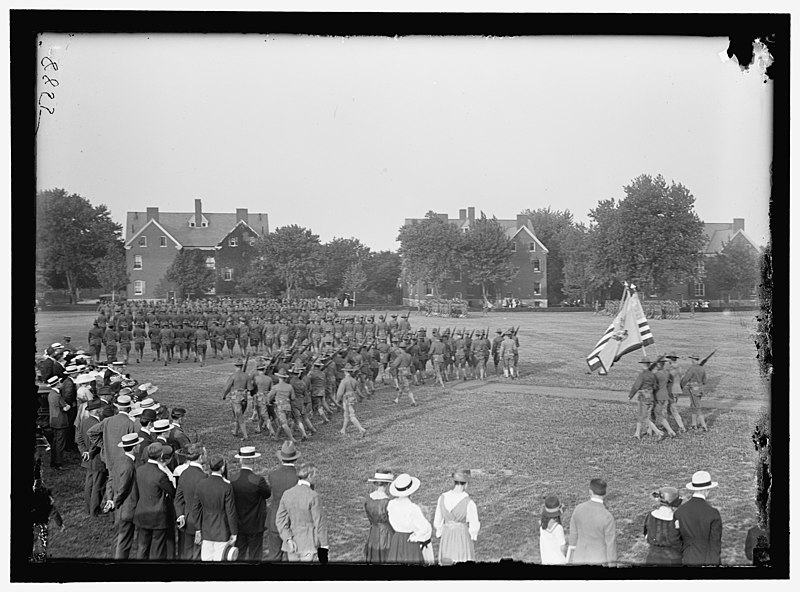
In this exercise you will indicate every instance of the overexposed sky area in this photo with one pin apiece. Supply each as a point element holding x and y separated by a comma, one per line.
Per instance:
<point>351,136</point>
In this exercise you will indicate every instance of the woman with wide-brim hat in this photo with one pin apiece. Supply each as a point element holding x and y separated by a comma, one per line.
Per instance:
<point>659,528</point>
<point>456,522</point>
<point>411,530</point>
<point>376,549</point>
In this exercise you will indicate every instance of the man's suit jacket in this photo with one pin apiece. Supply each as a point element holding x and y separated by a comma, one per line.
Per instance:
<point>214,510</point>
<point>58,417</point>
<point>69,392</point>
<point>156,495</point>
<point>700,528</point>
<point>126,495</point>
<point>185,494</point>
<point>114,428</point>
<point>300,517</point>
<point>593,533</point>
<point>47,368</point>
<point>280,479</point>
<point>250,492</point>
<point>82,439</point>
<point>148,439</point>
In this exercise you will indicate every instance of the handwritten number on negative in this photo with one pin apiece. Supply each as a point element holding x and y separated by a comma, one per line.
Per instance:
<point>50,62</point>
<point>50,81</point>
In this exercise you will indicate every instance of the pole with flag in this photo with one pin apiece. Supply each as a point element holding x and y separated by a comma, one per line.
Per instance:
<point>628,332</point>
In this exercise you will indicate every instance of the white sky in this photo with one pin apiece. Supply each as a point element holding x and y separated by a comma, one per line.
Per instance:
<point>350,136</point>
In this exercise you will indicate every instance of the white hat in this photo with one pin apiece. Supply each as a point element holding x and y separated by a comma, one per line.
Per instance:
<point>162,425</point>
<point>701,481</point>
<point>135,411</point>
<point>149,403</point>
<point>71,369</point>
<point>404,485</point>
<point>116,378</point>
<point>56,345</point>
<point>123,401</point>
<point>84,379</point>
<point>131,439</point>
<point>145,386</point>
<point>53,380</point>
<point>247,452</point>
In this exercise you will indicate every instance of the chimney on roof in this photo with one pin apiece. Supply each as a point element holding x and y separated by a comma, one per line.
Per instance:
<point>462,214</point>
<point>198,213</point>
<point>152,214</point>
<point>471,214</point>
<point>241,214</point>
<point>738,224</point>
<point>523,220</point>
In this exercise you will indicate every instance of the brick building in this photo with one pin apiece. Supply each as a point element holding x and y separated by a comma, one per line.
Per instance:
<point>153,239</point>
<point>529,255</point>
<point>717,235</point>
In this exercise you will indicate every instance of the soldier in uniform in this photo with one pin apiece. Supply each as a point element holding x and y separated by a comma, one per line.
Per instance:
<point>180,340</point>
<point>507,350</point>
<point>167,341</point>
<point>243,336</point>
<point>663,384</point>
<point>437,352</point>
<point>381,328</point>
<point>95,340</point>
<point>238,386</point>
<point>230,336</point>
<point>693,384</point>
<point>346,395</point>
<point>402,363</point>
<point>255,331</point>
<point>498,339</point>
<point>392,326</point>
<point>125,342</point>
<point>480,352</point>
<point>217,337</point>
<point>643,388</point>
<point>139,335</point>
<point>263,385</point>
<point>110,341</point>
<point>299,403</point>
<point>460,356</point>
<point>155,340</point>
<point>201,342</point>
<point>674,384</point>
<point>281,396</point>
<point>191,340</point>
<point>403,327</point>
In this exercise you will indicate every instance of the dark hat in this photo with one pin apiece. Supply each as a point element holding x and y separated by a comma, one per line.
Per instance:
<point>552,506</point>
<point>645,360</point>
<point>239,362</point>
<point>693,357</point>
<point>178,412</point>
<point>108,411</point>
<point>149,414</point>
<point>672,355</point>
<point>288,452</point>
<point>94,404</point>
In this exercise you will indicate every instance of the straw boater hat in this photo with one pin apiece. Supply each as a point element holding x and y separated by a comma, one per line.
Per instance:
<point>287,452</point>
<point>404,485</point>
<point>382,476</point>
<point>53,381</point>
<point>161,425</point>
<point>230,552</point>
<point>149,387</point>
<point>149,403</point>
<point>701,481</point>
<point>552,506</point>
<point>123,401</point>
<point>135,411</point>
<point>239,362</point>
<point>130,440</point>
<point>247,452</point>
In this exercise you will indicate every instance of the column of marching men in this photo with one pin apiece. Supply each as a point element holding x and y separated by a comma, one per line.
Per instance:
<point>169,498</point>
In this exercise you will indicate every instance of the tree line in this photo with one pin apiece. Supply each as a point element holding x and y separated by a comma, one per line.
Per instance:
<point>652,236</point>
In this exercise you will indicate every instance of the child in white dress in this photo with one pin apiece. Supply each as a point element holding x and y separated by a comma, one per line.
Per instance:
<point>552,543</point>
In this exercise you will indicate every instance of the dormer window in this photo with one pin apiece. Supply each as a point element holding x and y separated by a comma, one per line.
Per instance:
<point>233,241</point>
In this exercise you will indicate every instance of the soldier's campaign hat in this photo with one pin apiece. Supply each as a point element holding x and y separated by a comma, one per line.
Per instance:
<point>499,332</point>
<point>239,362</point>
<point>247,452</point>
<point>394,314</point>
<point>381,317</point>
<point>645,360</point>
<point>130,440</point>
<point>94,404</point>
<point>693,357</point>
<point>281,374</point>
<point>320,362</point>
<point>67,337</point>
<point>261,366</point>
<point>349,368</point>
<point>297,370</point>
<point>672,355</point>
<point>287,452</point>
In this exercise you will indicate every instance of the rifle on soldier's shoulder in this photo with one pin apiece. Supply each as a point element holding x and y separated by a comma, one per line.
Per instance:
<point>708,357</point>
<point>517,330</point>
<point>471,334</point>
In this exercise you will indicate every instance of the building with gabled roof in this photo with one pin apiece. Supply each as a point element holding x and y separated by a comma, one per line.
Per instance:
<point>529,256</point>
<point>154,238</point>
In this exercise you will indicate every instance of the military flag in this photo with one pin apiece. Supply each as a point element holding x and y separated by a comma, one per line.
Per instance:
<point>628,332</point>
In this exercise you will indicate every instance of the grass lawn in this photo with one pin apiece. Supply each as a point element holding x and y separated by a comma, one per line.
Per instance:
<point>520,447</point>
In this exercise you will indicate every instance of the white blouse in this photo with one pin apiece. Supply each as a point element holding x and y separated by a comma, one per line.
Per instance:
<point>451,499</point>
<point>406,516</point>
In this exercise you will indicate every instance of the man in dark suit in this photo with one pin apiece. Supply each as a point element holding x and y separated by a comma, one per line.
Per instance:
<point>214,512</point>
<point>59,422</point>
<point>95,482</point>
<point>592,529</point>
<point>250,492</point>
<point>699,524</point>
<point>152,515</point>
<point>280,479</point>
<point>188,480</point>
<point>126,495</point>
<point>146,419</point>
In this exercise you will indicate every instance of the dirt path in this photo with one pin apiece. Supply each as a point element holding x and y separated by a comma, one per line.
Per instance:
<point>617,396</point>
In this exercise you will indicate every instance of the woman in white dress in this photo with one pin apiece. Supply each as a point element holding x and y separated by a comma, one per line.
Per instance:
<point>411,530</point>
<point>552,543</point>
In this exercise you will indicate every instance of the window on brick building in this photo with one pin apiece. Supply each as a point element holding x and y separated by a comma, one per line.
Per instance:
<point>138,287</point>
<point>163,241</point>
<point>537,288</point>
<point>531,247</point>
<point>137,261</point>
<point>233,241</point>
<point>536,265</point>
<point>142,241</point>
<point>513,247</point>
<point>700,289</point>
<point>227,274</point>
<point>211,263</point>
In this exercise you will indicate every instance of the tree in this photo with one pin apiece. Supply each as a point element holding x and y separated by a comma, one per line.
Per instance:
<point>552,227</point>
<point>354,279</point>
<point>111,271</point>
<point>383,272</point>
<point>430,250</point>
<point>339,254</point>
<point>487,254</point>
<point>189,273</point>
<point>293,255</point>
<point>735,269</point>
<point>71,238</point>
<point>652,237</point>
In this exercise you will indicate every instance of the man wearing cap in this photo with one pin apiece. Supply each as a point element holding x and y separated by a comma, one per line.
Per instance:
<point>699,524</point>
<point>214,512</point>
<point>94,484</point>
<point>643,388</point>
<point>188,479</point>
<point>250,494</point>
<point>280,479</point>
<point>238,386</point>
<point>693,384</point>
<point>301,520</point>
<point>153,513</point>
<point>126,496</point>
<point>593,530</point>
<point>59,422</point>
